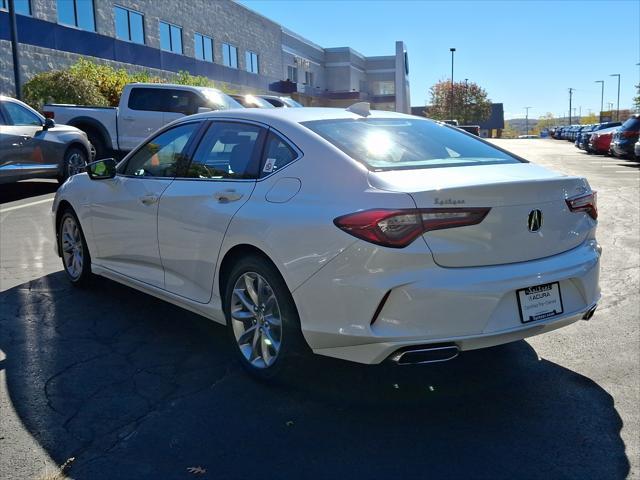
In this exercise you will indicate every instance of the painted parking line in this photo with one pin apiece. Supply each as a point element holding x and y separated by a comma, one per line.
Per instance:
<point>31,204</point>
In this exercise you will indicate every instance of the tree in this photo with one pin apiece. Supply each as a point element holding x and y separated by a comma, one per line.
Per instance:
<point>545,122</point>
<point>509,131</point>
<point>636,99</point>
<point>470,102</point>
<point>589,119</point>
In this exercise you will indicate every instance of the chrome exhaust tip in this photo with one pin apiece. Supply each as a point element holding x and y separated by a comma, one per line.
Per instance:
<point>589,313</point>
<point>419,355</point>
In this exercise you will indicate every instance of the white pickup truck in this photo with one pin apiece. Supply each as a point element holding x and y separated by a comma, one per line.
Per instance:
<point>144,108</point>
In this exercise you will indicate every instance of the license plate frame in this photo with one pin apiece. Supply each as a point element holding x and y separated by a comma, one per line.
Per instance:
<point>541,308</point>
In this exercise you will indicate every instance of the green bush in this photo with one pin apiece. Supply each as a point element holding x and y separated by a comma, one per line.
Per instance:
<point>90,83</point>
<point>61,87</point>
<point>108,80</point>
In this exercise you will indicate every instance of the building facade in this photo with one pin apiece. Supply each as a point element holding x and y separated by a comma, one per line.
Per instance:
<point>219,39</point>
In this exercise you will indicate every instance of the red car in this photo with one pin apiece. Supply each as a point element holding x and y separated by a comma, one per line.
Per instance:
<point>601,140</point>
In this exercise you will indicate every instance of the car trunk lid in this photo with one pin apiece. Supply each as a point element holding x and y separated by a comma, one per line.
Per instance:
<point>513,192</point>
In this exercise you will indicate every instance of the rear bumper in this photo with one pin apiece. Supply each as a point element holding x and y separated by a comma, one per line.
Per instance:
<point>622,148</point>
<point>365,314</point>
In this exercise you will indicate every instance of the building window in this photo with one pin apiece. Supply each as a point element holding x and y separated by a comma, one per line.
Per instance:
<point>77,13</point>
<point>204,47</point>
<point>387,87</point>
<point>129,25</point>
<point>23,7</point>
<point>170,37</point>
<point>308,78</point>
<point>251,60</point>
<point>292,73</point>
<point>229,55</point>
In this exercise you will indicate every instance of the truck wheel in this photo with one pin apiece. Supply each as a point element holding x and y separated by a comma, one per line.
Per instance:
<point>74,162</point>
<point>98,145</point>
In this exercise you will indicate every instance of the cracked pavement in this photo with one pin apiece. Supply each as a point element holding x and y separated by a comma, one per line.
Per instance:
<point>132,387</point>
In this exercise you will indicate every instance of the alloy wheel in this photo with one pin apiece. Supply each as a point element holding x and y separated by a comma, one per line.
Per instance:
<point>256,320</point>
<point>75,164</point>
<point>72,250</point>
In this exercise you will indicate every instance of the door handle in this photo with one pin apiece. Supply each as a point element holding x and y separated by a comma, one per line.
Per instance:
<point>127,117</point>
<point>227,196</point>
<point>149,199</point>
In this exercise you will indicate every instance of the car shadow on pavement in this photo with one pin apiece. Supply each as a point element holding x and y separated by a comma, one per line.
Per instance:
<point>132,387</point>
<point>11,192</point>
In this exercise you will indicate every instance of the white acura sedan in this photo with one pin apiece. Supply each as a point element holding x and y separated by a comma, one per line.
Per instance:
<point>367,236</point>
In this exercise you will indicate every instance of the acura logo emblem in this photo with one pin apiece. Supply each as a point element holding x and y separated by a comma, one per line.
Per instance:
<point>535,220</point>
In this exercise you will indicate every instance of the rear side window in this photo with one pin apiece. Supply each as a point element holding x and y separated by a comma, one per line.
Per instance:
<point>394,144</point>
<point>228,151</point>
<point>277,154</point>
<point>149,99</point>
<point>164,155</point>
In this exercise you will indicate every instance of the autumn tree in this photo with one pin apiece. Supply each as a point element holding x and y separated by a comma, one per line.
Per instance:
<point>589,119</point>
<point>469,101</point>
<point>545,122</point>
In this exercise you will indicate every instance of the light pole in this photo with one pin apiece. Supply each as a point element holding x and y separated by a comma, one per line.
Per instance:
<point>526,120</point>
<point>452,50</point>
<point>465,99</point>
<point>570,98</point>
<point>14,49</point>
<point>601,97</point>
<point>618,105</point>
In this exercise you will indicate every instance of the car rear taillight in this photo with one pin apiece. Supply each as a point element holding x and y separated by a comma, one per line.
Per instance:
<point>585,203</point>
<point>398,228</point>
<point>629,134</point>
<point>50,115</point>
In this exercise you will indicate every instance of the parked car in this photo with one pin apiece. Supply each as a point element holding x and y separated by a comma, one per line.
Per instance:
<point>583,133</point>
<point>623,141</point>
<point>281,102</point>
<point>143,109</point>
<point>251,101</point>
<point>585,137</point>
<point>600,141</point>
<point>473,129</point>
<point>363,235</point>
<point>32,146</point>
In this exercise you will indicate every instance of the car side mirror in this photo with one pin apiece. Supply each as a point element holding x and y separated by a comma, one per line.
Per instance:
<point>203,109</point>
<point>102,169</point>
<point>48,123</point>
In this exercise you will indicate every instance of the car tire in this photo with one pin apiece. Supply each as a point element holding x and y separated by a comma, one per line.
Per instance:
<point>74,162</point>
<point>98,144</point>
<point>73,249</point>
<point>262,319</point>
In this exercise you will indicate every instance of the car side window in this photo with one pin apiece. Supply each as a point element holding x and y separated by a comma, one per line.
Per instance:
<point>228,151</point>
<point>277,154</point>
<point>183,101</point>
<point>164,155</point>
<point>18,115</point>
<point>150,99</point>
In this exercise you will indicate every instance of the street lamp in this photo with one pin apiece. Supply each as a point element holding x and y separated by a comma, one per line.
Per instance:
<point>526,119</point>
<point>452,50</point>
<point>601,97</point>
<point>14,49</point>
<point>618,107</point>
<point>570,98</point>
<point>466,98</point>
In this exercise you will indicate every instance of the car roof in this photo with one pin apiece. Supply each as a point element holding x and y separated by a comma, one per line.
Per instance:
<point>297,115</point>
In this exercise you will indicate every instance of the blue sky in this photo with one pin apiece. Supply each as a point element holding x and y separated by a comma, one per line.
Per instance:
<point>524,53</point>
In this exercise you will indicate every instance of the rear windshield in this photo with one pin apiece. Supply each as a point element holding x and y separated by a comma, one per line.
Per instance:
<point>631,124</point>
<point>395,144</point>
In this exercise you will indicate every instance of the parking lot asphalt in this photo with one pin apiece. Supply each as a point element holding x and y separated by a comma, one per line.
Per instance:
<point>117,384</point>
